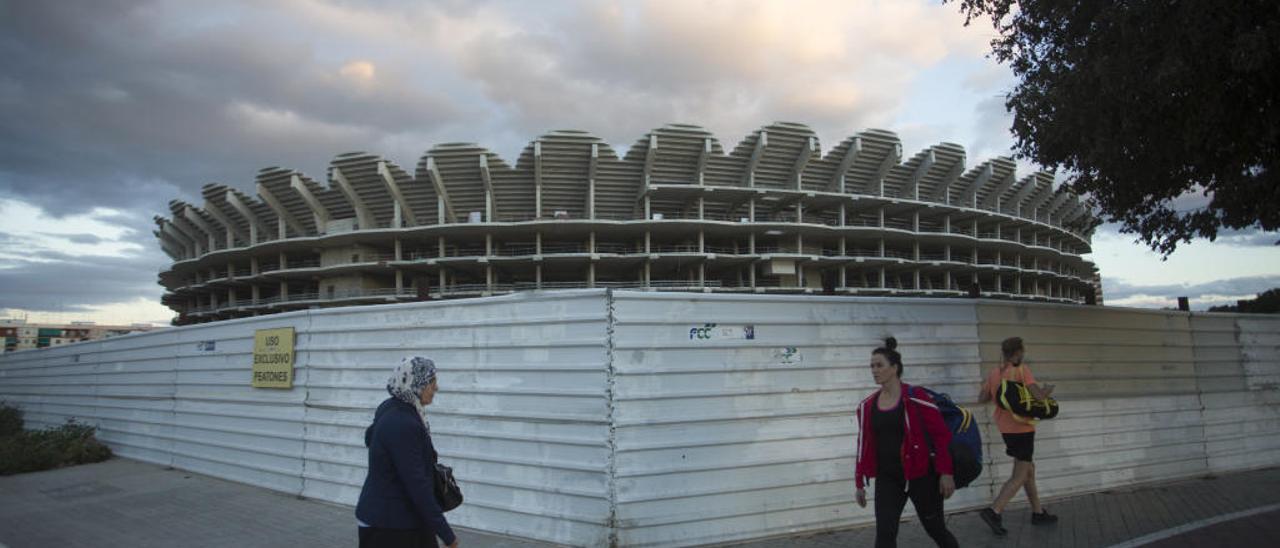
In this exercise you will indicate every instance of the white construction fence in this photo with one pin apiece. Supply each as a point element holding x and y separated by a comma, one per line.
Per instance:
<point>629,418</point>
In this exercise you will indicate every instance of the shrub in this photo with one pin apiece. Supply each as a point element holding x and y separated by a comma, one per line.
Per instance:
<point>10,420</point>
<point>34,450</point>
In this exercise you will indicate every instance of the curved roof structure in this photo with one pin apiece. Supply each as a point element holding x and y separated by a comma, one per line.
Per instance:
<point>677,211</point>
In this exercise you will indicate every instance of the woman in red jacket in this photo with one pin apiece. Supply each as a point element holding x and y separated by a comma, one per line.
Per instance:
<point>897,426</point>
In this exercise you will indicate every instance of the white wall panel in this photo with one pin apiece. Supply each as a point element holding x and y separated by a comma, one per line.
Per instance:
<point>592,417</point>
<point>1242,426</point>
<point>730,439</point>
<point>521,414</point>
<point>1260,346</point>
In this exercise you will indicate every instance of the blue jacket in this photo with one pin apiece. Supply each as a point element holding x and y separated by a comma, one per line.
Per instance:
<point>399,491</point>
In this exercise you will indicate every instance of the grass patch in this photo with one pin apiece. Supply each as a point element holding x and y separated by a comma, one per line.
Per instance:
<point>35,450</point>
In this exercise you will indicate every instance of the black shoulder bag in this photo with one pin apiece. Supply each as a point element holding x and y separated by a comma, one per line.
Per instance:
<point>448,494</point>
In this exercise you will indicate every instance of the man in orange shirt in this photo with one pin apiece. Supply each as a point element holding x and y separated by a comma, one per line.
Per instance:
<point>1019,437</point>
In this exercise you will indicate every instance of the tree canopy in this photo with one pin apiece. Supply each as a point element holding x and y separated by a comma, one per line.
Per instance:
<point>1165,113</point>
<point>1267,302</point>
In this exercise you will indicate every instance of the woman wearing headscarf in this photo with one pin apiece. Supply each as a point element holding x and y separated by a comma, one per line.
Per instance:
<point>397,506</point>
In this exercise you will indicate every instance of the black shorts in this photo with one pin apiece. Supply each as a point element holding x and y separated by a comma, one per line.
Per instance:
<point>1020,446</point>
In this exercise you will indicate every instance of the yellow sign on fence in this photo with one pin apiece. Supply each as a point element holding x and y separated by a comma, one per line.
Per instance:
<point>273,358</point>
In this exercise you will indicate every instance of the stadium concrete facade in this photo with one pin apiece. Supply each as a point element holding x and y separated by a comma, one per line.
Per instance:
<point>675,213</point>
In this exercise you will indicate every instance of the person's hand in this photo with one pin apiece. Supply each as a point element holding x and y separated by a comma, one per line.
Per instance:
<point>861,497</point>
<point>455,544</point>
<point>947,486</point>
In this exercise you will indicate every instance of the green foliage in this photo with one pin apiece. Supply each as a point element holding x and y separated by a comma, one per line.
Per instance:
<point>1267,302</point>
<point>10,420</point>
<point>1149,104</point>
<point>34,450</point>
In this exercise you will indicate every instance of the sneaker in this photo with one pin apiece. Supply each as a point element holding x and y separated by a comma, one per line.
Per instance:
<point>993,521</point>
<point>1043,518</point>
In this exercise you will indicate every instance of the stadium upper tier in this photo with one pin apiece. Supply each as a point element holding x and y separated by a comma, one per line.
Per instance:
<point>675,213</point>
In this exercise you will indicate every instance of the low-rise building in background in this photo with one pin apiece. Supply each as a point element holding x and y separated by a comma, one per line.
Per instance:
<point>19,334</point>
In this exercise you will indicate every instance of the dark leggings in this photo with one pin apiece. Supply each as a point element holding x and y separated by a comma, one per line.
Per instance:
<point>378,537</point>
<point>891,498</point>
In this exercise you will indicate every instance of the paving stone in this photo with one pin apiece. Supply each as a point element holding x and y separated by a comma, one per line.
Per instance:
<point>127,503</point>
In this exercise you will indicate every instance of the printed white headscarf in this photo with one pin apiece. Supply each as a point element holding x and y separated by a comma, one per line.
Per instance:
<point>407,381</point>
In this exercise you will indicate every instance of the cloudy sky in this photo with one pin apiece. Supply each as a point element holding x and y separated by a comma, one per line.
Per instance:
<point>111,108</point>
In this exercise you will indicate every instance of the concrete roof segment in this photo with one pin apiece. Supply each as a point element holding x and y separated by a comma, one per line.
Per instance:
<point>684,154</point>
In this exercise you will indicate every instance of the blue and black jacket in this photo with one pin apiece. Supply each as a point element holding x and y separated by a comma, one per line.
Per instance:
<point>399,491</point>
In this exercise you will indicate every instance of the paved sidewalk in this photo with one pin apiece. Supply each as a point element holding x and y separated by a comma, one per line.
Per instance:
<point>128,503</point>
<point>133,504</point>
<point>1107,518</point>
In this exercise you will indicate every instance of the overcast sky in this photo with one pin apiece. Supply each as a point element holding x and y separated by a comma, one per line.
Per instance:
<point>111,108</point>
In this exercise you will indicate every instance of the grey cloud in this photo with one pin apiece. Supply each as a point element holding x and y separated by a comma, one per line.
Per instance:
<point>88,239</point>
<point>117,100</point>
<point>1248,237</point>
<point>992,132</point>
<point>75,283</point>
<point>1250,285</point>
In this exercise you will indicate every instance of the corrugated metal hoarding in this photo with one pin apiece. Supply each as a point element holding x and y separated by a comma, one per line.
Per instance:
<point>593,418</point>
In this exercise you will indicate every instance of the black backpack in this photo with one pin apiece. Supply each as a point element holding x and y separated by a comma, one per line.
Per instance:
<point>966,439</point>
